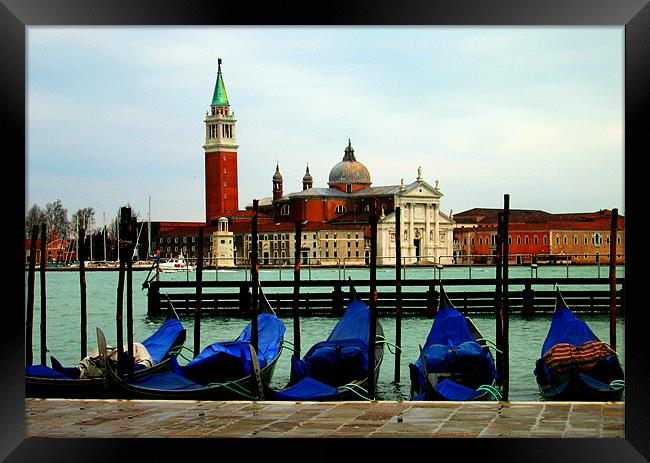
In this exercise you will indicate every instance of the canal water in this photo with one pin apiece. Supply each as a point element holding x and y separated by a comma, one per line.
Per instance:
<point>526,335</point>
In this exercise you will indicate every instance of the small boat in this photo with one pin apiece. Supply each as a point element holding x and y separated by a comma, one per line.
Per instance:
<point>176,264</point>
<point>229,370</point>
<point>67,382</point>
<point>337,368</point>
<point>455,362</point>
<point>574,363</point>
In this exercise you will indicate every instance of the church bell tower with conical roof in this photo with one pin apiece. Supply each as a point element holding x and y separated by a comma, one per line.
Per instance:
<point>221,190</point>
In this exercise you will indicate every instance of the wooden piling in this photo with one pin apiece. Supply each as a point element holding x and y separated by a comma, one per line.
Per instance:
<point>372,334</point>
<point>43,295</point>
<point>254,276</point>
<point>82,291</point>
<point>506,302</point>
<point>129,247</point>
<point>612,279</point>
<point>498,309</point>
<point>120,293</point>
<point>296,290</point>
<point>199,294</point>
<point>31,281</point>
<point>398,293</point>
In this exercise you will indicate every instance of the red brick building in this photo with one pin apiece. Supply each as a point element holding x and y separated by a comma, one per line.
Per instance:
<point>576,237</point>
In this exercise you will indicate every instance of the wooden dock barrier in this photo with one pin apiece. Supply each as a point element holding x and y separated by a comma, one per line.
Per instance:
<point>322,298</point>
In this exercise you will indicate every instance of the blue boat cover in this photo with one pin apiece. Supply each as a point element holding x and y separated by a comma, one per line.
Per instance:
<point>43,371</point>
<point>566,328</point>
<point>340,359</point>
<point>451,390</point>
<point>451,347</point>
<point>305,389</point>
<point>221,361</point>
<point>158,345</point>
<point>160,342</point>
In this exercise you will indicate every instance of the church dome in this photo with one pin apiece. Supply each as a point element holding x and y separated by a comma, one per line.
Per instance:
<point>349,170</point>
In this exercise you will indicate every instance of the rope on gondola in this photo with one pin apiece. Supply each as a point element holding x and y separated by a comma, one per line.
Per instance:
<point>382,340</point>
<point>492,390</point>
<point>178,352</point>
<point>350,387</point>
<point>227,386</point>
<point>292,348</point>
<point>494,346</point>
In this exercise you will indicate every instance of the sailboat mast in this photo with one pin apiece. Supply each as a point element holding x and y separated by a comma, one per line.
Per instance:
<point>149,230</point>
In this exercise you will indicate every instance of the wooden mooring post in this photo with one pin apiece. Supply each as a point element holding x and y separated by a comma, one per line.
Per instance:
<point>498,309</point>
<point>199,295</point>
<point>82,291</point>
<point>506,301</point>
<point>398,293</point>
<point>31,282</point>
<point>254,276</point>
<point>43,295</point>
<point>612,279</point>
<point>119,313</point>
<point>296,290</point>
<point>130,227</point>
<point>372,335</point>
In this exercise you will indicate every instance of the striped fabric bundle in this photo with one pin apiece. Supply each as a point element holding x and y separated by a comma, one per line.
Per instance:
<point>564,357</point>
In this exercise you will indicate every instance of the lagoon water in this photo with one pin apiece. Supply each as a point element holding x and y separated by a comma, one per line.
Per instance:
<point>526,336</point>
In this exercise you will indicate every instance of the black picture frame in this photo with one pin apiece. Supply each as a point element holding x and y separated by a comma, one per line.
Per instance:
<point>634,15</point>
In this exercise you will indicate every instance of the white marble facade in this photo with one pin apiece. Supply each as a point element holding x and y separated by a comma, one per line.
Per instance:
<point>427,232</point>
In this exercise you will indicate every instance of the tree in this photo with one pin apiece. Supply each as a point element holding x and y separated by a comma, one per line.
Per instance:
<point>84,218</point>
<point>35,216</point>
<point>57,219</point>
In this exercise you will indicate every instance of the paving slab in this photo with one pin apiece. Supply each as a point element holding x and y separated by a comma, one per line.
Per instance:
<point>182,419</point>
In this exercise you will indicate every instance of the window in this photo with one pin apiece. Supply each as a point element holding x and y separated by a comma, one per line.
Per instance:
<point>175,240</point>
<point>545,239</point>
<point>193,248</point>
<point>185,239</point>
<point>575,239</point>
<point>340,209</point>
<point>284,210</point>
<point>535,239</point>
<point>480,241</point>
<point>526,239</point>
<point>162,239</point>
<point>586,239</point>
<point>223,241</point>
<point>519,240</point>
<point>348,188</point>
<point>194,239</point>
<point>566,240</point>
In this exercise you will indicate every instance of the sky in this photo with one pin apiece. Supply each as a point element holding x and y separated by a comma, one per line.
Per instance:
<point>115,115</point>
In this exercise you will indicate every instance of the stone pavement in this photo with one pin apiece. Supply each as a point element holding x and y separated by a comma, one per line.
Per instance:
<point>144,418</point>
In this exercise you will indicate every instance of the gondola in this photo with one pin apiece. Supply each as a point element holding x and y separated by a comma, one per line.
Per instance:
<point>455,362</point>
<point>336,369</point>
<point>67,382</point>
<point>574,363</point>
<point>227,370</point>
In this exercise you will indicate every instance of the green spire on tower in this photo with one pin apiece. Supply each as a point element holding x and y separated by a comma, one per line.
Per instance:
<point>220,98</point>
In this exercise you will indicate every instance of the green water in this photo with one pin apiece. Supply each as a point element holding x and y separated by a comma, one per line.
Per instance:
<point>526,336</point>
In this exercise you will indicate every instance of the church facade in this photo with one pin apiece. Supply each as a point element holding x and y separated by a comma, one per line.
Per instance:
<point>334,218</point>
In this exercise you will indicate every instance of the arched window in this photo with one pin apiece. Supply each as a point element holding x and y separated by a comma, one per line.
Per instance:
<point>284,210</point>
<point>340,209</point>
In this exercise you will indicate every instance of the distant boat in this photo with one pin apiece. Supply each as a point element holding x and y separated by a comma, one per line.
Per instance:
<point>177,264</point>
<point>574,363</point>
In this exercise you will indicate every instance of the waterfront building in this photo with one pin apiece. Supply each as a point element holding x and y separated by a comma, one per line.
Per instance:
<point>581,238</point>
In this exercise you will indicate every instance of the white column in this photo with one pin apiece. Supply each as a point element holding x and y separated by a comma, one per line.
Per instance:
<point>436,228</point>
<point>411,234</point>
<point>427,231</point>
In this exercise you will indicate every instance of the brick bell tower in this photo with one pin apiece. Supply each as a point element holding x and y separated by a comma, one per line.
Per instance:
<point>221,191</point>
